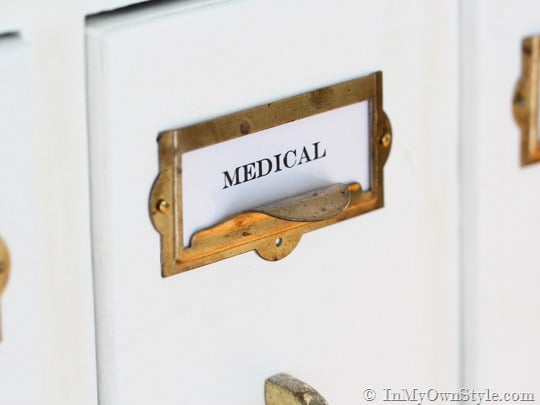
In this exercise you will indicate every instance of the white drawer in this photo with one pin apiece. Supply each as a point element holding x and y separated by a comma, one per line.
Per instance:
<point>368,303</point>
<point>500,202</point>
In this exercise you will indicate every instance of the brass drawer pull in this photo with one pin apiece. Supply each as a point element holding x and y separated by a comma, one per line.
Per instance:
<point>283,389</point>
<point>4,272</point>
<point>525,102</point>
<point>275,229</point>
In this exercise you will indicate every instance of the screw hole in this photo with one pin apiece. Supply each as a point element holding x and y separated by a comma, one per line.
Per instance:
<point>278,242</point>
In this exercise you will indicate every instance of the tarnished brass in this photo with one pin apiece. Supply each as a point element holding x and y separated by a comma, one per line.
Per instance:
<point>283,389</point>
<point>317,205</point>
<point>525,102</point>
<point>4,272</point>
<point>274,229</point>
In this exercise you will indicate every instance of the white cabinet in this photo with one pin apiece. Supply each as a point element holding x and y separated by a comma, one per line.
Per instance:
<point>368,303</point>
<point>22,350</point>
<point>500,201</point>
<point>47,352</point>
<point>435,290</point>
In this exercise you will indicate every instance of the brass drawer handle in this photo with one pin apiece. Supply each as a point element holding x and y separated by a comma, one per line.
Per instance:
<point>274,230</point>
<point>283,389</point>
<point>4,272</point>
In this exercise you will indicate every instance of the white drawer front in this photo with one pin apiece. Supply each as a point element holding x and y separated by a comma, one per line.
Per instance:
<point>368,303</point>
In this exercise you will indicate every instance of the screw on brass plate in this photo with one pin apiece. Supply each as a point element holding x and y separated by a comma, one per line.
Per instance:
<point>163,206</point>
<point>520,100</point>
<point>386,139</point>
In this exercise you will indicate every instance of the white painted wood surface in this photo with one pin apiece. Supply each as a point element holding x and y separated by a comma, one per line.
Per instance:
<point>369,303</point>
<point>500,203</point>
<point>23,349</point>
<point>48,355</point>
<point>175,356</point>
<point>47,306</point>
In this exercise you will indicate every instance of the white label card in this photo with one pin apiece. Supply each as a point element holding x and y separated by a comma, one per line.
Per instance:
<point>222,180</point>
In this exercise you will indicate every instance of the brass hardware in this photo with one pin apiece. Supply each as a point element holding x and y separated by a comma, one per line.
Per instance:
<point>386,140</point>
<point>283,389</point>
<point>281,224</point>
<point>273,230</point>
<point>317,205</point>
<point>163,206</point>
<point>525,102</point>
<point>4,272</point>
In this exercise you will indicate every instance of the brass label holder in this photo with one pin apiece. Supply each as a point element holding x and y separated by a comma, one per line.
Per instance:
<point>4,273</point>
<point>272,230</point>
<point>525,101</point>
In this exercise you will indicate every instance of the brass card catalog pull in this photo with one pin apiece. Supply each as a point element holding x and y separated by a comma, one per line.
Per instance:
<point>4,273</point>
<point>283,389</point>
<point>525,101</point>
<point>279,222</point>
<point>260,178</point>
